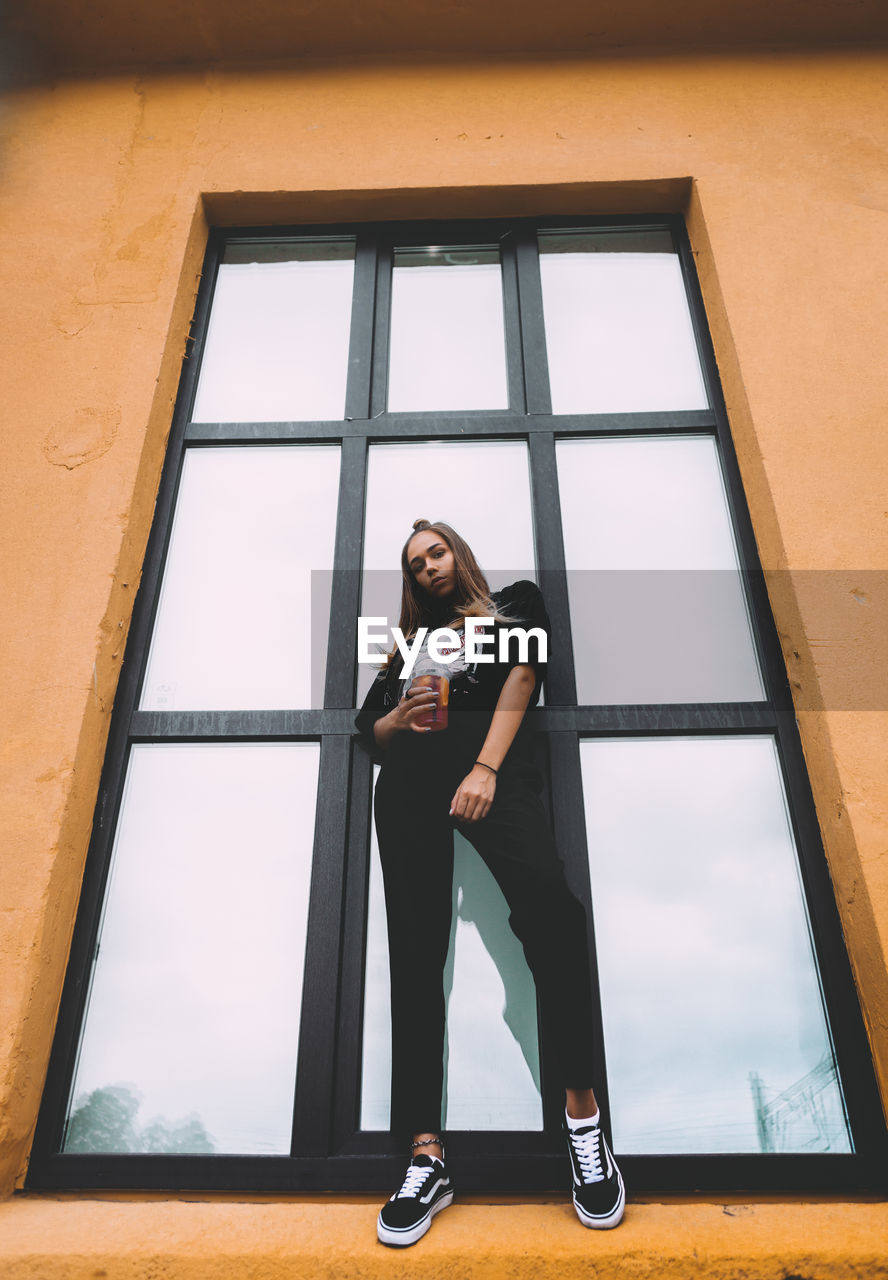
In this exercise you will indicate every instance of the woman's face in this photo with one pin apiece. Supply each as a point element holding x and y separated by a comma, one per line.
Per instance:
<point>432,564</point>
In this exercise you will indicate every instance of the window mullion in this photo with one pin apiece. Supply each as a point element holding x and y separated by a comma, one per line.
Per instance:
<point>649,719</point>
<point>533,331</point>
<point>512,322</point>
<point>360,348</point>
<point>346,1120</point>
<point>485,422</point>
<point>317,1028</point>
<point>346,594</point>
<point>381,328</point>
<point>560,681</point>
<point>200,324</point>
<point>569,826</point>
<point>245,725</point>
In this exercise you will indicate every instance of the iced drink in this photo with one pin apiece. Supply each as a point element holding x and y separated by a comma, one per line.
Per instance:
<point>436,716</point>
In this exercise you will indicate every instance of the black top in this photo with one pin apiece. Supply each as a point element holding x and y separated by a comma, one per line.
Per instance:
<point>473,694</point>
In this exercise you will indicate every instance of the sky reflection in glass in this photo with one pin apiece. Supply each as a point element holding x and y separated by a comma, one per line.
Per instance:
<point>656,601</point>
<point>277,344</point>
<point>711,1001</point>
<point>197,989</point>
<point>618,329</point>
<point>233,628</point>
<point>447,348</point>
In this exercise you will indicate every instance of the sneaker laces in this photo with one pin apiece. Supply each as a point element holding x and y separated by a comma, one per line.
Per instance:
<point>416,1176</point>
<point>585,1143</point>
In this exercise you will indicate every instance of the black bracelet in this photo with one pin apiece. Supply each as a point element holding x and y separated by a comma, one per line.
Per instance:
<point>486,766</point>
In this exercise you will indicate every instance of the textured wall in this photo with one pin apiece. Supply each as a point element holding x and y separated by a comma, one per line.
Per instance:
<point>230,1240</point>
<point>104,185</point>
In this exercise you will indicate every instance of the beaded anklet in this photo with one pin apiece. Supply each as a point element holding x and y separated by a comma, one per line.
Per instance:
<point>427,1142</point>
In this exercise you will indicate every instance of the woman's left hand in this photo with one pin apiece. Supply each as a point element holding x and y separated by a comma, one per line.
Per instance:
<point>474,795</point>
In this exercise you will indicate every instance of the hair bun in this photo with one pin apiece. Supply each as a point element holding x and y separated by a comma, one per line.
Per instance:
<point>419,525</point>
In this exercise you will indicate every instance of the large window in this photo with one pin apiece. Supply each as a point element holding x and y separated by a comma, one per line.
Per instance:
<point>548,389</point>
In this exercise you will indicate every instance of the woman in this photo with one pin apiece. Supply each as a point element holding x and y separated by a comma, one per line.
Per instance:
<point>477,775</point>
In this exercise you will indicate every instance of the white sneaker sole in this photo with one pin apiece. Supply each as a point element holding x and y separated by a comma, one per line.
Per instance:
<point>613,1219</point>
<point>410,1235</point>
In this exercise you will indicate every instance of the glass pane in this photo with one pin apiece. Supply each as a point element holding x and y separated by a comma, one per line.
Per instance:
<point>656,600</point>
<point>447,345</point>
<point>492,1070</point>
<point>460,482</point>
<point>233,627</point>
<point>715,1031</point>
<point>618,329</point>
<point>190,1037</point>
<point>277,342</point>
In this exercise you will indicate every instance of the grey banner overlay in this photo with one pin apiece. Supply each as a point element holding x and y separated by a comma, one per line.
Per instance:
<point>679,636</point>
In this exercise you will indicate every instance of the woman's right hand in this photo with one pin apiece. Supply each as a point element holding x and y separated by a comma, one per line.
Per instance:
<point>418,700</point>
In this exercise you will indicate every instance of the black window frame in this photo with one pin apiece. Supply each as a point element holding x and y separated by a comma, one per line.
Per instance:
<point>330,1151</point>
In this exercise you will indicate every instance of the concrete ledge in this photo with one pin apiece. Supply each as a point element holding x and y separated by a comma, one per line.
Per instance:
<point>78,1238</point>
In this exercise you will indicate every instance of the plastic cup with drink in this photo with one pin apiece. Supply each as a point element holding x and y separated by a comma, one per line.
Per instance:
<point>435,718</point>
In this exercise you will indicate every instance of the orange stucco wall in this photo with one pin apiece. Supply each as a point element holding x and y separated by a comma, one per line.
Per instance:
<point>231,1238</point>
<point>106,186</point>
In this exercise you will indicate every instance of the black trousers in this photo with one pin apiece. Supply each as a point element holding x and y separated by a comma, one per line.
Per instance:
<point>415,836</point>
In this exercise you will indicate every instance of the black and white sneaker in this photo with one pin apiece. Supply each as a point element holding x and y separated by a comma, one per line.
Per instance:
<point>598,1193</point>
<point>407,1216</point>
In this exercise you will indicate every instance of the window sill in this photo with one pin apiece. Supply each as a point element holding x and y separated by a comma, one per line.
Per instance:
<point>130,1236</point>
